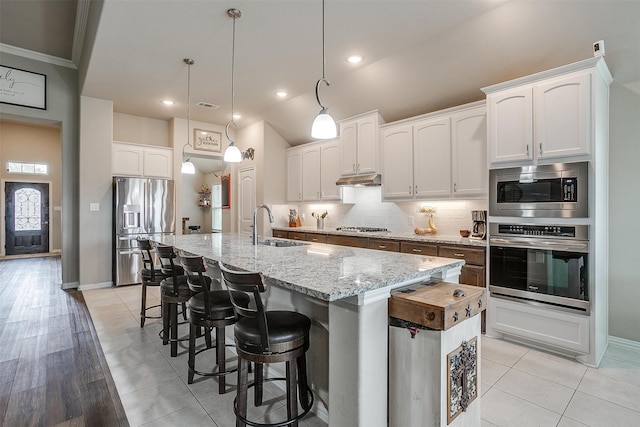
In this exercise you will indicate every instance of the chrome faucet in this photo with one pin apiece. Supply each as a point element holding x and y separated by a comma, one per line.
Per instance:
<point>254,233</point>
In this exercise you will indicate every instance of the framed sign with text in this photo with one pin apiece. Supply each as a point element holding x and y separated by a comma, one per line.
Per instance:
<point>23,88</point>
<point>207,141</point>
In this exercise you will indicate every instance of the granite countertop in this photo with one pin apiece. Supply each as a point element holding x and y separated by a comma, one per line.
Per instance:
<point>391,235</point>
<point>323,271</point>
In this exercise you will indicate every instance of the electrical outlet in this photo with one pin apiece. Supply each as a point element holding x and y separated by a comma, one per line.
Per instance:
<point>94,207</point>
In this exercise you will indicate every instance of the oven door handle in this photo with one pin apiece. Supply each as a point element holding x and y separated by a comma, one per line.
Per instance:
<point>566,246</point>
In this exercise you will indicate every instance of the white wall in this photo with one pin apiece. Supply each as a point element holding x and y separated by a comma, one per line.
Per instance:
<point>624,207</point>
<point>362,207</point>
<point>96,238</point>
<point>140,130</point>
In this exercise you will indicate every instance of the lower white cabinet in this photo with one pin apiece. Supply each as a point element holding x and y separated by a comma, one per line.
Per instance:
<point>141,160</point>
<point>558,329</point>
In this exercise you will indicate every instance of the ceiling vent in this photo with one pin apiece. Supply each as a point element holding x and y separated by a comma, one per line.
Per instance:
<point>207,105</point>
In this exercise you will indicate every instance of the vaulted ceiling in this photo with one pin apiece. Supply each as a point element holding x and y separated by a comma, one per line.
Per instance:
<point>419,56</point>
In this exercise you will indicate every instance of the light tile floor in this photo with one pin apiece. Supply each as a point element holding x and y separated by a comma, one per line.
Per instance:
<point>520,386</point>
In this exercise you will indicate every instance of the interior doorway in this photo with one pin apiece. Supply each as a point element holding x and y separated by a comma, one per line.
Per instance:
<point>26,212</point>
<point>246,199</point>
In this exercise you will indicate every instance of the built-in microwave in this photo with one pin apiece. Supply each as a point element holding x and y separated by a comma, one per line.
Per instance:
<point>558,190</point>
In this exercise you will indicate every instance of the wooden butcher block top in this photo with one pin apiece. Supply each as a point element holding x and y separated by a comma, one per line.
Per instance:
<point>437,305</point>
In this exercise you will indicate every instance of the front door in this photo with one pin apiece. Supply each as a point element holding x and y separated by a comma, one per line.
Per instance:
<point>26,218</point>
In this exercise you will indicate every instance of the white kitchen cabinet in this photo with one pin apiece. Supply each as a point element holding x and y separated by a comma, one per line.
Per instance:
<point>311,173</point>
<point>432,158</point>
<point>397,169</point>
<point>158,162</point>
<point>562,112</point>
<point>469,153</point>
<point>140,160</point>
<point>313,170</point>
<point>359,142</point>
<point>126,159</point>
<point>545,118</point>
<point>330,170</point>
<point>436,156</point>
<point>294,175</point>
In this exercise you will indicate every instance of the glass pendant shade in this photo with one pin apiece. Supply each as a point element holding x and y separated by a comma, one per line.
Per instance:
<point>324,127</point>
<point>232,154</point>
<point>188,167</point>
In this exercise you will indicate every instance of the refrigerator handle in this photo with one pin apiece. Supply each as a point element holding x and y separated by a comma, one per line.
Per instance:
<point>146,199</point>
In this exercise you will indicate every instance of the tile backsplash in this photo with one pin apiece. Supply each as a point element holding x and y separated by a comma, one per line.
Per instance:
<point>362,207</point>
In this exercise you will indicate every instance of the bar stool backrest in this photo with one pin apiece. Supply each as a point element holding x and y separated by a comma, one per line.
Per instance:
<point>166,255</point>
<point>195,267</point>
<point>147,259</point>
<point>252,284</point>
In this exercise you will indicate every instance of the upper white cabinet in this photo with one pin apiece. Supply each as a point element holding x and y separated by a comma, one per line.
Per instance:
<point>547,117</point>
<point>294,174</point>
<point>141,160</point>
<point>312,171</point>
<point>469,153</point>
<point>359,142</point>
<point>329,170</point>
<point>439,155</point>
<point>158,162</point>
<point>126,159</point>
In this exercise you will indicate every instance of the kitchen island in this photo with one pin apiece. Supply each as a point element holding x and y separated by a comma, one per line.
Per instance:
<point>344,291</point>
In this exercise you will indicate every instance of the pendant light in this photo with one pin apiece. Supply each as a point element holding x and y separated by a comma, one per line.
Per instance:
<point>324,127</point>
<point>187,166</point>
<point>232,154</point>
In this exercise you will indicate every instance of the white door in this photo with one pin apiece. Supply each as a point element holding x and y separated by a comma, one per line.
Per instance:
<point>246,198</point>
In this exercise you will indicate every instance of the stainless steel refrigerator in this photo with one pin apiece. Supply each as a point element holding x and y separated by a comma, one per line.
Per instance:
<point>141,208</point>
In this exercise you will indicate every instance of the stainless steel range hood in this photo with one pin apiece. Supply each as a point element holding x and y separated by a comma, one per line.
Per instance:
<point>371,180</point>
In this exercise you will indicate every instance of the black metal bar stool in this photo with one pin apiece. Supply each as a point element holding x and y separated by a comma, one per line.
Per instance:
<point>151,276</point>
<point>211,309</point>
<point>268,337</point>
<point>174,291</point>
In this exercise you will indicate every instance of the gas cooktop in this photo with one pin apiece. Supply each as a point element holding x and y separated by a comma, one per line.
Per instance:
<point>362,229</point>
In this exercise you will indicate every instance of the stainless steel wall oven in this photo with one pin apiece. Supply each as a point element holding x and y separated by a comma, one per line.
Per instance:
<point>544,191</point>
<point>540,264</point>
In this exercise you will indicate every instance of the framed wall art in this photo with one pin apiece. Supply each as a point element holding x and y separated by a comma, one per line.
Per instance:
<point>23,88</point>
<point>205,140</point>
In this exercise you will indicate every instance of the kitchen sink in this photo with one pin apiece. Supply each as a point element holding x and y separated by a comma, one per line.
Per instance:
<point>281,243</point>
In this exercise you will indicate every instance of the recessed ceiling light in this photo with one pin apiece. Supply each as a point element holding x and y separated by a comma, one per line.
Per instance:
<point>282,93</point>
<point>167,102</point>
<point>236,116</point>
<point>354,59</point>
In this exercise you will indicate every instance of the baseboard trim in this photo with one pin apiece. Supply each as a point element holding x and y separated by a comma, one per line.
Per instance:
<point>622,342</point>
<point>70,285</point>
<point>91,286</point>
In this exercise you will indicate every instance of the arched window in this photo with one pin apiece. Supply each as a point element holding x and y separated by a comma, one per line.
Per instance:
<point>28,206</point>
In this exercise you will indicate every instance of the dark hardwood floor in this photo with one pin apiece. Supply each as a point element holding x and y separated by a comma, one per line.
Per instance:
<point>52,369</point>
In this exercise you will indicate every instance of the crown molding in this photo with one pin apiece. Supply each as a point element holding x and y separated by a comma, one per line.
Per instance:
<point>36,56</point>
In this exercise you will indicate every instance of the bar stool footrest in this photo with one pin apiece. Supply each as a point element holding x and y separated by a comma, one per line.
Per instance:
<point>281,423</point>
